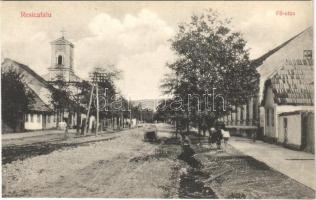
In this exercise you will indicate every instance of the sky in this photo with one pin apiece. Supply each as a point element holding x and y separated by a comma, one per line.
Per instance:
<point>135,36</point>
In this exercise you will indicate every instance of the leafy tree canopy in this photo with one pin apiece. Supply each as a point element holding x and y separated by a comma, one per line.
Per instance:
<point>210,56</point>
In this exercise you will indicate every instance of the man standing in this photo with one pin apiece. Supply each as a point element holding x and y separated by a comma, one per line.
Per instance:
<point>218,137</point>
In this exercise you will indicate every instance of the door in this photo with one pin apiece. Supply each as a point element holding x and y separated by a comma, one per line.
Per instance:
<point>285,130</point>
<point>43,121</point>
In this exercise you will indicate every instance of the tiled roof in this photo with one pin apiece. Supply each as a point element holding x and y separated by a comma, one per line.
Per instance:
<point>36,104</point>
<point>257,62</point>
<point>29,70</point>
<point>293,83</point>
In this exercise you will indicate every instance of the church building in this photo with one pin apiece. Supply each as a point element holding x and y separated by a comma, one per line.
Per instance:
<point>62,56</point>
<point>41,113</point>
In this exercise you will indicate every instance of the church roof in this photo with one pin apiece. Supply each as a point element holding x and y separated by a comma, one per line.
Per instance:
<point>62,40</point>
<point>293,83</point>
<point>27,69</point>
<point>35,84</point>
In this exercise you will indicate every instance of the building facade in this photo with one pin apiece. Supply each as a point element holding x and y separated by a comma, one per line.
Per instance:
<point>250,118</point>
<point>62,62</point>
<point>288,93</point>
<point>41,113</point>
<point>40,109</point>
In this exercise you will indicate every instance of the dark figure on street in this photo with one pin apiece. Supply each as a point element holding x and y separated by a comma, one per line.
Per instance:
<point>218,137</point>
<point>211,138</point>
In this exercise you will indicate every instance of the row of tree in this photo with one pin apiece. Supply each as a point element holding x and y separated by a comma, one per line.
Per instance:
<point>68,97</point>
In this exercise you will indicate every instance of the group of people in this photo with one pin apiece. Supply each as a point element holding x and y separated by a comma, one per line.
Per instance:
<point>217,134</point>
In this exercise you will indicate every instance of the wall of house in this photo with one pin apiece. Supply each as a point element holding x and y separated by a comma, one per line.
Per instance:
<point>270,127</point>
<point>37,123</point>
<point>281,130</point>
<point>294,130</point>
<point>50,121</point>
<point>293,50</point>
<point>309,131</point>
<point>290,108</point>
<point>34,121</point>
<point>272,130</point>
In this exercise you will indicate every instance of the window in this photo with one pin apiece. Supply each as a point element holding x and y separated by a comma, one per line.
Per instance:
<point>54,118</point>
<point>272,117</point>
<point>308,54</point>
<point>26,118</point>
<point>48,118</point>
<point>32,117</point>
<point>38,118</point>
<point>60,60</point>
<point>267,116</point>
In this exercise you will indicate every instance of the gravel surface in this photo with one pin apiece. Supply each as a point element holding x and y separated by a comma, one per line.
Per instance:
<point>122,167</point>
<point>126,166</point>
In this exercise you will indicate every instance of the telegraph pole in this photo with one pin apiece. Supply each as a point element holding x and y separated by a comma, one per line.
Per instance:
<point>88,113</point>
<point>96,77</point>
<point>98,110</point>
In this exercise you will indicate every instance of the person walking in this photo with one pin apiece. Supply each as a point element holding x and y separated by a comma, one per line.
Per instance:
<point>218,137</point>
<point>226,135</point>
<point>211,136</point>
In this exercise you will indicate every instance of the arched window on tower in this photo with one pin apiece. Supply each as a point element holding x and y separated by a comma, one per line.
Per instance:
<point>60,60</point>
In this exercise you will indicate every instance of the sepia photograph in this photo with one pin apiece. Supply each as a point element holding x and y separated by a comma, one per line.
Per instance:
<point>157,99</point>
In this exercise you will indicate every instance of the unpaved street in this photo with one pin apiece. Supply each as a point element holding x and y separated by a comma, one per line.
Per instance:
<point>123,165</point>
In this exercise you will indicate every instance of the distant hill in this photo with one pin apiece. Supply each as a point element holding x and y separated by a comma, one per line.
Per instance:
<point>150,104</point>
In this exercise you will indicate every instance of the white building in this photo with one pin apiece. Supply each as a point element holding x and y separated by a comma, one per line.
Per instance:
<point>250,118</point>
<point>62,62</point>
<point>40,110</point>
<point>41,114</point>
<point>287,95</point>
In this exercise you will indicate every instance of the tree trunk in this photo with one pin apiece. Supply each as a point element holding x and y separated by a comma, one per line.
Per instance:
<point>78,120</point>
<point>58,118</point>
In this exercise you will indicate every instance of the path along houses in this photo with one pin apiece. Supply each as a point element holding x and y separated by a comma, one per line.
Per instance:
<point>41,114</point>
<point>283,109</point>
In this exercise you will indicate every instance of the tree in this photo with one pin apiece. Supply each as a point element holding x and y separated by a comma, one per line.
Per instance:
<point>15,98</point>
<point>212,61</point>
<point>61,100</point>
<point>81,98</point>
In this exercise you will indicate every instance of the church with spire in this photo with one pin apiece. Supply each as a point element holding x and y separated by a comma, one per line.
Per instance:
<point>62,61</point>
<point>41,113</point>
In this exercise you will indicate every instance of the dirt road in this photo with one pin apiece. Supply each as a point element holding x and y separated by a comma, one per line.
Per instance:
<point>123,167</point>
<point>126,166</point>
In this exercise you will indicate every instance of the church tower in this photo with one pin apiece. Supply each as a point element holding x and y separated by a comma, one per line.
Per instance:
<point>62,52</point>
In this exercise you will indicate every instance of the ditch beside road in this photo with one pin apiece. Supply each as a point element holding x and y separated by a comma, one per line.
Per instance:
<point>126,166</point>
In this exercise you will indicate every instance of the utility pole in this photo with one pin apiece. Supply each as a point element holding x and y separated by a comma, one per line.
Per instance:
<point>96,77</point>
<point>130,119</point>
<point>88,113</point>
<point>98,118</point>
